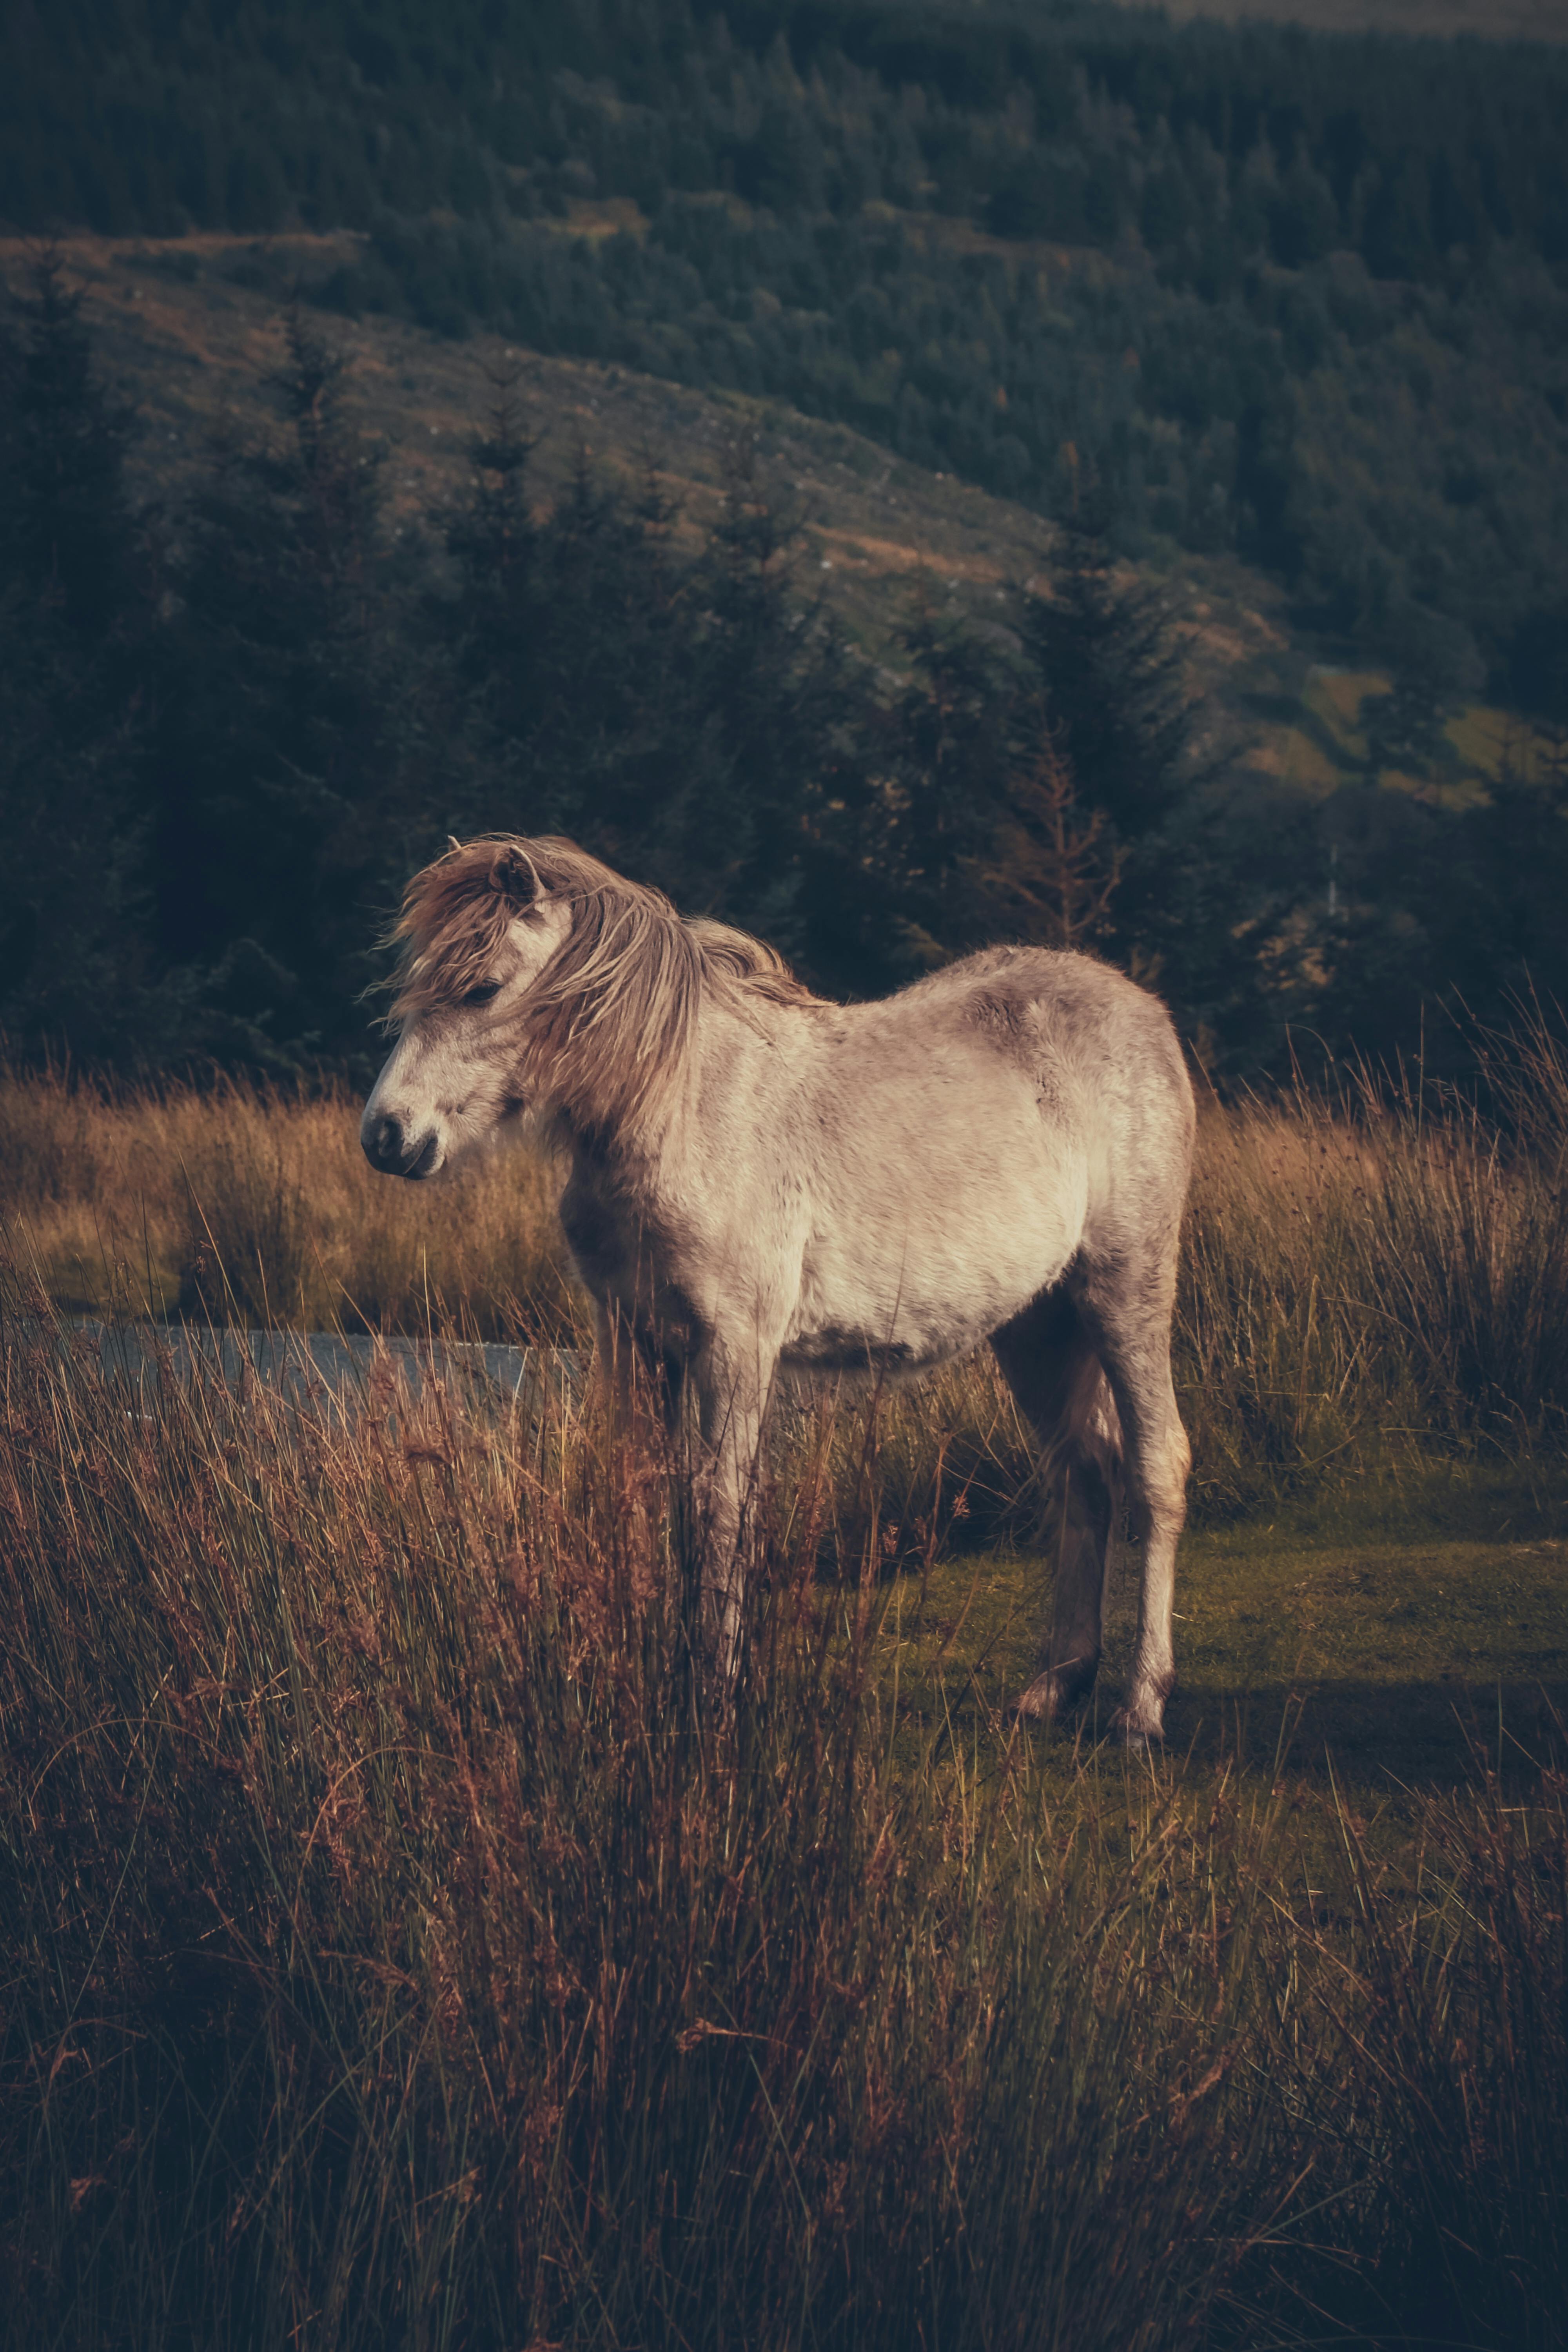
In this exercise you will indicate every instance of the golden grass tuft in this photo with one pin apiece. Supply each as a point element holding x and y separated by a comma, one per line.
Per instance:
<point>255,1205</point>
<point>1371,1278</point>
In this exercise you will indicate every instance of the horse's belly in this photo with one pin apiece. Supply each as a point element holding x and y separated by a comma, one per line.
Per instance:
<point>923,1308</point>
<point>832,1348</point>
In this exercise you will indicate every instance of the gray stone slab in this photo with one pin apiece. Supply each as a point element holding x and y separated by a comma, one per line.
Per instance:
<point>322,1370</point>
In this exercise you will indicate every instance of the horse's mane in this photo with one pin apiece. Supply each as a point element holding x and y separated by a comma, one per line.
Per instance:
<point>608,1025</point>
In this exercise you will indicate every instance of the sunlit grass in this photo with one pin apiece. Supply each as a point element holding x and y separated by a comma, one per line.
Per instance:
<point>1372,1282</point>
<point>251,1205</point>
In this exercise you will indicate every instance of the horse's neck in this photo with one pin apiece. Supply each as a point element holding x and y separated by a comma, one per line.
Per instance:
<point>736,1052</point>
<point>615,1161</point>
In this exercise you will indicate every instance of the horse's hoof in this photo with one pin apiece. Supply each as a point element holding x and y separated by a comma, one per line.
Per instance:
<point>1046,1698</point>
<point>1138,1727</point>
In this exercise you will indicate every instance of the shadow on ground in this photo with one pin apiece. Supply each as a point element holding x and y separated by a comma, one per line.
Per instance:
<point>1422,1734</point>
<point>1381,1664</point>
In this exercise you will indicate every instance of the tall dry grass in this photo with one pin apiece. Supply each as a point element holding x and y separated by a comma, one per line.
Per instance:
<point>1370,1271</point>
<point>397,1951</point>
<point>251,1204</point>
<point>1370,1275</point>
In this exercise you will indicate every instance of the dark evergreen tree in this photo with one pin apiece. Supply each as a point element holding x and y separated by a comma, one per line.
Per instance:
<point>1434,669</point>
<point>679,716</point>
<point>564,657</point>
<point>278,731</point>
<point>72,535</point>
<point>1208,879</point>
<point>1103,643</point>
<point>944,794</point>
<point>796,719</point>
<point>1102,649</point>
<point>1499,894</point>
<point>1049,874</point>
<point>76,613</point>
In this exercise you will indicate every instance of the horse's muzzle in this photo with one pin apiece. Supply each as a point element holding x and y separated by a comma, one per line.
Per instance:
<point>389,1150</point>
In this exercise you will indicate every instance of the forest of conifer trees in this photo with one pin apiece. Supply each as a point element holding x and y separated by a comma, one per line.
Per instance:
<point>1298,296</point>
<point>234,725</point>
<point>1219,292</point>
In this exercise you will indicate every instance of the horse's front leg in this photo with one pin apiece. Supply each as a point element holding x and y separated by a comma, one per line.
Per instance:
<point>615,1362</point>
<point>639,1383</point>
<point>732,1380</point>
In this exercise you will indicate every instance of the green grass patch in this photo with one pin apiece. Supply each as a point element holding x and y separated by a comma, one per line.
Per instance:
<point>1396,1664</point>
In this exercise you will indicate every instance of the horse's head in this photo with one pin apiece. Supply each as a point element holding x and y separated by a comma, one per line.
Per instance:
<point>479,928</point>
<point>533,978</point>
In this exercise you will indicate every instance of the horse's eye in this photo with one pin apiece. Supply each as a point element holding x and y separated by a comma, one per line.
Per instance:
<point>483,993</point>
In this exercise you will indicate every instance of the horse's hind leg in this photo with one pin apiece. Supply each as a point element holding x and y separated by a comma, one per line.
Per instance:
<point>1129,1315</point>
<point>1050,1365</point>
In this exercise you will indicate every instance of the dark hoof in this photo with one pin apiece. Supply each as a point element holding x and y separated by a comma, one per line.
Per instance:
<point>1139,1727</point>
<point>1049,1696</point>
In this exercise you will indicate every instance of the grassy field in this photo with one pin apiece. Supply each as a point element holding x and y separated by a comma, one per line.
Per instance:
<point>397,1952</point>
<point>1372,1284</point>
<point>255,1207</point>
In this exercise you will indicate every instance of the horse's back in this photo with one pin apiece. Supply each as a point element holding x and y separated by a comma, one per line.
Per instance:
<point>1108,1065</point>
<point>958,1142</point>
<point>1097,1053</point>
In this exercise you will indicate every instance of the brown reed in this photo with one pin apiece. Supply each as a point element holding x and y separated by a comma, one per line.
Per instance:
<point>397,1948</point>
<point>255,1205</point>
<point>1372,1280</point>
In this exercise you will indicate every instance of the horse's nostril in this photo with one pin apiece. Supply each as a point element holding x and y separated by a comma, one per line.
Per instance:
<point>424,1160</point>
<point>383,1145</point>
<point>389,1147</point>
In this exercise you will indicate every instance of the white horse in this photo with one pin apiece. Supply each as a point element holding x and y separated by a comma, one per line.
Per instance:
<point>761,1182</point>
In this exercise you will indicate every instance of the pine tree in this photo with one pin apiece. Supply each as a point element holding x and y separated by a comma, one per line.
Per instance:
<point>1499,904</point>
<point>678,714</point>
<point>77,605</point>
<point>491,536</point>
<point>71,534</point>
<point>1102,650</point>
<point>480,652</point>
<point>1105,649</point>
<point>283,697</point>
<point>561,654</point>
<point>1403,726</point>
<point>1203,900</point>
<point>772,670</point>
<point>1049,874</point>
<point>943,790</point>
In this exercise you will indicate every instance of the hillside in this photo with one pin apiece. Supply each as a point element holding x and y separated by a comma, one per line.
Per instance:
<point>191,329</point>
<point>1489,20</point>
<point>1298,298</point>
<point>177,324</point>
<point>1245,347</point>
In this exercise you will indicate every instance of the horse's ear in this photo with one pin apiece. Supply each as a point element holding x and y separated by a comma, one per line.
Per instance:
<point>513,875</point>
